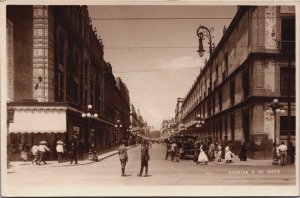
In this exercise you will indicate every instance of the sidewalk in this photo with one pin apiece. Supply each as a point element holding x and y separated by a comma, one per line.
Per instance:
<point>250,162</point>
<point>103,155</point>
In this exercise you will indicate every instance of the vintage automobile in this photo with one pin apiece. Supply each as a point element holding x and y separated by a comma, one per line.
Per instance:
<point>185,144</point>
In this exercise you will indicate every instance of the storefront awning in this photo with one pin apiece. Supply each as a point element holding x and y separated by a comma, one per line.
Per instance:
<point>39,119</point>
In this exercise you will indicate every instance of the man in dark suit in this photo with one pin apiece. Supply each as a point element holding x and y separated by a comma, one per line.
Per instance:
<point>73,150</point>
<point>145,157</point>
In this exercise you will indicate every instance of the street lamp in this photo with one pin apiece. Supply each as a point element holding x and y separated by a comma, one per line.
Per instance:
<point>199,122</point>
<point>90,114</point>
<point>129,134</point>
<point>203,32</point>
<point>118,125</point>
<point>275,108</point>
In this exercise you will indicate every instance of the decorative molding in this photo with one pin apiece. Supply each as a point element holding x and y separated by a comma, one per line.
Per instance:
<point>10,60</point>
<point>42,54</point>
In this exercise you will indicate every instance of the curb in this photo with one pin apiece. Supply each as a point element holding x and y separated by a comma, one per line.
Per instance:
<point>84,162</point>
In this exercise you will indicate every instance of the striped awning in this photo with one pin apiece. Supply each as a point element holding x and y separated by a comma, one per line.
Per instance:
<point>39,119</point>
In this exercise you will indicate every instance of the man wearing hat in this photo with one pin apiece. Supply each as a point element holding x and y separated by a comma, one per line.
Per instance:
<point>123,156</point>
<point>42,151</point>
<point>145,157</point>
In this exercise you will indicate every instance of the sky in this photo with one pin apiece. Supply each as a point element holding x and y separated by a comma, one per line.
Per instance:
<point>153,48</point>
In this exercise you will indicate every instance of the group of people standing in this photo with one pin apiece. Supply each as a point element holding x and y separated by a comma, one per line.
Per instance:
<point>173,151</point>
<point>145,157</point>
<point>214,151</point>
<point>280,154</point>
<point>41,150</point>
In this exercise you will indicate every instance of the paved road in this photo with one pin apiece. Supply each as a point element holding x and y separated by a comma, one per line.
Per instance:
<point>107,173</point>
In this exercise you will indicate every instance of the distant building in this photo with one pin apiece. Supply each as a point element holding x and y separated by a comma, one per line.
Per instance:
<point>178,114</point>
<point>246,71</point>
<point>166,128</point>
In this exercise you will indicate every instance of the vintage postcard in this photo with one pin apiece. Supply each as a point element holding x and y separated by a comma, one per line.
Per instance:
<point>149,98</point>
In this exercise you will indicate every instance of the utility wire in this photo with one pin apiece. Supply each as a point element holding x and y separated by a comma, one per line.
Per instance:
<point>178,18</point>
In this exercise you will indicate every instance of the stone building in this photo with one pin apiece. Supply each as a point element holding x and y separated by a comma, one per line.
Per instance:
<point>246,71</point>
<point>178,114</point>
<point>55,70</point>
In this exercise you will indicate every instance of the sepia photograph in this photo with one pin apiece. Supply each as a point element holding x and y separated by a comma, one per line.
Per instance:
<point>150,98</point>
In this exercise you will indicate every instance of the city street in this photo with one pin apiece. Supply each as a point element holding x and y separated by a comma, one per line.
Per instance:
<point>162,172</point>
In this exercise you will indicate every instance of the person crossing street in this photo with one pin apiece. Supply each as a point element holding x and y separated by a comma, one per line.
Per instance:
<point>145,157</point>
<point>123,157</point>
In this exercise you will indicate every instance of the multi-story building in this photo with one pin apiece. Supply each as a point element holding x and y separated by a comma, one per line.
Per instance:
<point>253,64</point>
<point>166,128</point>
<point>55,70</point>
<point>177,123</point>
<point>138,125</point>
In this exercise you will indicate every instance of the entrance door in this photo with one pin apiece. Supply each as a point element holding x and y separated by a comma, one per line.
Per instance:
<point>246,125</point>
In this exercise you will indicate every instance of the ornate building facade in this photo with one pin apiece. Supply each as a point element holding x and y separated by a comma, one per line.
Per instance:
<point>56,70</point>
<point>253,64</point>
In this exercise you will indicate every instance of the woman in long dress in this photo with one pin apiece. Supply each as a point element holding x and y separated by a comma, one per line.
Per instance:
<point>202,156</point>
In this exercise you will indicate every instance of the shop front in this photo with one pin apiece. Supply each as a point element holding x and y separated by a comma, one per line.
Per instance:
<point>33,123</point>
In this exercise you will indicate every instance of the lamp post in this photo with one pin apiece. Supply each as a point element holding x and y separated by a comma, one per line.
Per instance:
<point>129,133</point>
<point>90,114</point>
<point>118,126</point>
<point>199,122</point>
<point>203,32</point>
<point>275,108</point>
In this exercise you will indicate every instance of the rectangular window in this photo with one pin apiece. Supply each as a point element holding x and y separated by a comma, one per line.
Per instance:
<point>232,123</point>
<point>220,99</point>
<point>59,86</point>
<point>226,65</point>
<point>246,82</point>
<point>213,103</point>
<point>217,76</point>
<point>284,125</point>
<point>61,50</point>
<point>287,80</point>
<point>288,35</point>
<point>232,92</point>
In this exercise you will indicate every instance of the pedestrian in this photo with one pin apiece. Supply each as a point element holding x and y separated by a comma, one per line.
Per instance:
<point>35,153</point>
<point>81,149</point>
<point>73,151</point>
<point>24,153</point>
<point>202,156</point>
<point>219,153</point>
<point>243,153</point>
<point>59,150</point>
<point>42,151</point>
<point>168,151</point>
<point>173,145</point>
<point>228,155</point>
<point>211,150</point>
<point>176,152</point>
<point>196,151</point>
<point>283,154</point>
<point>275,153</point>
<point>123,157</point>
<point>223,145</point>
<point>145,157</point>
<point>66,147</point>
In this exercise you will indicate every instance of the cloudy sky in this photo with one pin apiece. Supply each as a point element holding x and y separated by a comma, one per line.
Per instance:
<point>154,50</point>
